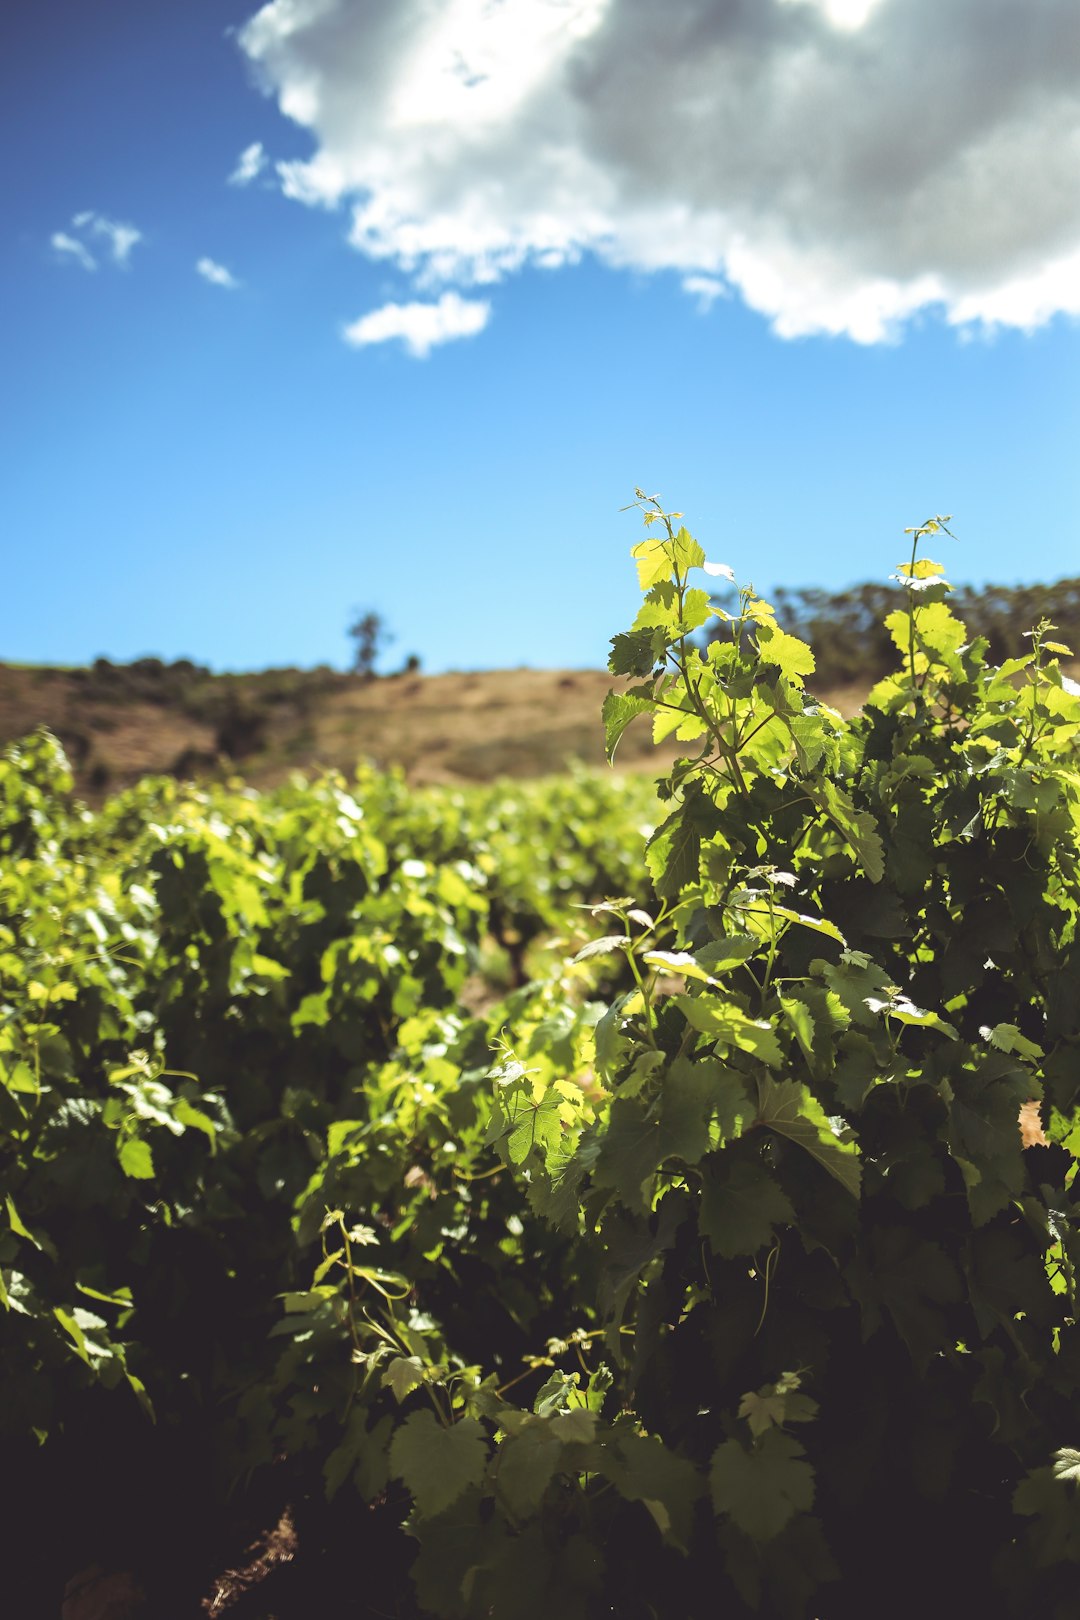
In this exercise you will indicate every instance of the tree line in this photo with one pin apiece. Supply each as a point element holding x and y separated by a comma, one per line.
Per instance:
<point>847,632</point>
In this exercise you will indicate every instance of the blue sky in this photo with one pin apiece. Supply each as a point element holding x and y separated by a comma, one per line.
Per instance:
<point>806,318</point>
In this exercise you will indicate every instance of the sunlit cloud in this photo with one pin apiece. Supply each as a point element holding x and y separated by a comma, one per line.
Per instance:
<point>420,327</point>
<point>841,165</point>
<point>216,274</point>
<point>249,165</point>
<point>847,15</point>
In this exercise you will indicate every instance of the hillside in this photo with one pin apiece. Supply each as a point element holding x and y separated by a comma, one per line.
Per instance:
<point>121,722</point>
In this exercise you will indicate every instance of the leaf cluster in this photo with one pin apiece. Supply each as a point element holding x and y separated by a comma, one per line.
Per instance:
<point>846,629</point>
<point>624,1197</point>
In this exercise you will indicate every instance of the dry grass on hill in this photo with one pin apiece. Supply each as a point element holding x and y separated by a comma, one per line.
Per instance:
<point>437,728</point>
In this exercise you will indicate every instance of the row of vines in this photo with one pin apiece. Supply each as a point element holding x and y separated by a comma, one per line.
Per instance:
<point>578,1199</point>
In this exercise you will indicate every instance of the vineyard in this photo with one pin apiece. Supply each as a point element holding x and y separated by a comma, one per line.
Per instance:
<point>583,1198</point>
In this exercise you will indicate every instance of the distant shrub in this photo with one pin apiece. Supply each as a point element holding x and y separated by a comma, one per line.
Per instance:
<point>144,680</point>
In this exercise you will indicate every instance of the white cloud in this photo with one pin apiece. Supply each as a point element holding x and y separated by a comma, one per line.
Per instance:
<point>249,165</point>
<point>421,327</point>
<point>1028,301</point>
<point>706,289</point>
<point>841,164</point>
<point>842,14</point>
<point>216,274</point>
<point>120,239</point>
<point>72,249</point>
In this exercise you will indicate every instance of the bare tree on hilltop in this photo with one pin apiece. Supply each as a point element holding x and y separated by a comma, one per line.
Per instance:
<point>370,637</point>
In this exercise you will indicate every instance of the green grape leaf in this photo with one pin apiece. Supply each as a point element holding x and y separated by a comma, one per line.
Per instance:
<point>938,629</point>
<point>42,1243</point>
<point>730,1027</point>
<point>611,1038</point>
<point>776,1404</point>
<point>525,1464</point>
<point>695,610</point>
<point>792,656</point>
<point>533,1578</point>
<point>642,1469</point>
<point>921,568</point>
<point>741,1205</point>
<point>659,610</point>
<point>984,1137</point>
<point>602,947</point>
<point>673,853</point>
<point>640,1137</point>
<point>1007,1038</point>
<point>801,1019</point>
<point>437,1464</point>
<point>654,562</point>
<point>761,1490</point>
<point>631,1245</point>
<point>533,1125</point>
<point>904,1011</point>
<point>817,925</point>
<point>361,1455</point>
<point>187,1114</point>
<point>454,1545</point>
<point>678,962</point>
<point>858,827</point>
<point>71,1327</point>
<point>619,709</point>
<point>898,624</point>
<point>792,1111</point>
<point>810,738</point>
<point>695,1091</point>
<point>645,1067</point>
<point>915,1281</point>
<point>403,1375</point>
<point>680,719</point>
<point>722,954</point>
<point>688,553</point>
<point>632,653</point>
<point>632,1149</point>
<point>859,1067</point>
<point>136,1159</point>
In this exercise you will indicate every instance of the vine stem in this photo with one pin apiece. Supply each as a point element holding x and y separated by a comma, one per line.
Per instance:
<point>728,754</point>
<point>911,604</point>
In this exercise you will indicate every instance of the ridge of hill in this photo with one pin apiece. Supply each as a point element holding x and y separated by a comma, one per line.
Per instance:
<point>120,722</point>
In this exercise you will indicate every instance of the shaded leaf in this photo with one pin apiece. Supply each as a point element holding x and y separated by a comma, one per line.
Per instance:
<point>762,1489</point>
<point>619,709</point>
<point>741,1205</point>
<point>643,1469</point>
<point>402,1375</point>
<point>437,1464</point>
<point>792,1111</point>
